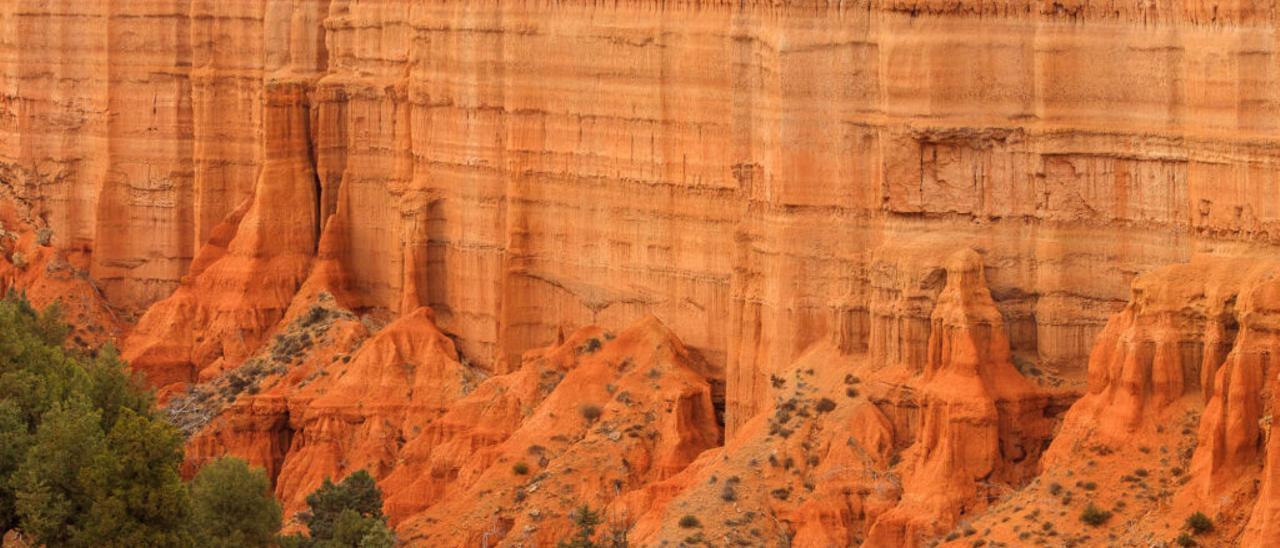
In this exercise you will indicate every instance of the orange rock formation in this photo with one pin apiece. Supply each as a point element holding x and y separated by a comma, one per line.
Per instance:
<point>859,258</point>
<point>589,419</point>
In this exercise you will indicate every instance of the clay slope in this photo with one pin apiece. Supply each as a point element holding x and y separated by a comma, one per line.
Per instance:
<point>45,274</point>
<point>460,457</point>
<point>893,446</point>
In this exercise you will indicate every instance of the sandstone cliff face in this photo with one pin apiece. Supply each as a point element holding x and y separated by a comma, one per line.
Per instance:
<point>519,167</point>
<point>1176,418</point>
<point>854,448</point>
<point>924,213</point>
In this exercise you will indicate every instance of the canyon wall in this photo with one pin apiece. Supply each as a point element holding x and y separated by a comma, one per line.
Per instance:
<point>525,167</point>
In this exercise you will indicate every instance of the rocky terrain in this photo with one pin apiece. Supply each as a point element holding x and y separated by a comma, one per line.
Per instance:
<point>821,273</point>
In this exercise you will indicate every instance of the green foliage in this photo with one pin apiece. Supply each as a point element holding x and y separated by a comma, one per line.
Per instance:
<point>378,535</point>
<point>586,520</point>
<point>295,540</point>
<point>79,486</point>
<point>52,498</point>
<point>1185,540</point>
<point>232,505</point>
<point>138,497</point>
<point>590,412</point>
<point>353,530</point>
<point>690,521</point>
<point>1199,523</point>
<point>15,440</point>
<point>347,514</point>
<point>84,458</point>
<point>1094,516</point>
<point>112,389</point>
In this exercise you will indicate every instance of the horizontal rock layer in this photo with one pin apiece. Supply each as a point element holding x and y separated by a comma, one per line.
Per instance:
<point>521,166</point>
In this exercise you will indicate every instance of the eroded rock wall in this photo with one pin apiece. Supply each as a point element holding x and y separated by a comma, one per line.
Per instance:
<point>727,167</point>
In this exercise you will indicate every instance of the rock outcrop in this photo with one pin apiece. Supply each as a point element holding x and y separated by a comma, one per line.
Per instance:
<point>459,456</point>
<point>708,161</point>
<point>1176,417</point>
<point>858,448</point>
<point>859,258</point>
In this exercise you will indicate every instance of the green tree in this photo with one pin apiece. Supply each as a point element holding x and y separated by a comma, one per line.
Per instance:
<point>378,535</point>
<point>51,498</point>
<point>35,371</point>
<point>14,442</point>
<point>84,460</point>
<point>35,374</point>
<point>586,520</point>
<point>138,497</point>
<point>111,388</point>
<point>343,514</point>
<point>232,505</point>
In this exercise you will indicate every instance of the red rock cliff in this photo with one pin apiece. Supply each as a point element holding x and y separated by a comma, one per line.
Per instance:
<point>929,214</point>
<point>706,161</point>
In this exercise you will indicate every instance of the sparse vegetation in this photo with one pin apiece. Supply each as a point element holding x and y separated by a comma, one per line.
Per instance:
<point>1185,540</point>
<point>690,521</point>
<point>1199,523</point>
<point>520,469</point>
<point>728,492</point>
<point>586,520</point>
<point>44,236</point>
<point>590,412</point>
<point>591,346</point>
<point>825,405</point>
<point>1092,515</point>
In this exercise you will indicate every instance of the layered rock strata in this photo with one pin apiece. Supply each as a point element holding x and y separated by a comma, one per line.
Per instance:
<point>1175,420</point>
<point>300,198</point>
<point>520,166</point>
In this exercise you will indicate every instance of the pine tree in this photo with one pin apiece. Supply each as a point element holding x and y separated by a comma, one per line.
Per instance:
<point>343,514</point>
<point>15,439</point>
<point>84,460</point>
<point>232,505</point>
<point>138,497</point>
<point>51,497</point>
<point>586,520</point>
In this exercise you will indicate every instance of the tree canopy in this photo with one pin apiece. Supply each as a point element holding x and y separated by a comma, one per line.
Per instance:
<point>85,460</point>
